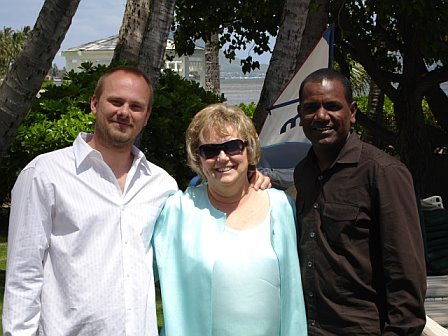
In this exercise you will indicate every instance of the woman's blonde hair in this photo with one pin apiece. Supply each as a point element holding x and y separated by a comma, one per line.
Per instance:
<point>223,120</point>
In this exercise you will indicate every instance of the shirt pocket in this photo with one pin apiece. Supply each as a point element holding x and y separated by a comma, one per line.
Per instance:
<point>338,222</point>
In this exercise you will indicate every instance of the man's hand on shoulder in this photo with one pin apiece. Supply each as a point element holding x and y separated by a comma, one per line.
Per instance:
<point>259,181</point>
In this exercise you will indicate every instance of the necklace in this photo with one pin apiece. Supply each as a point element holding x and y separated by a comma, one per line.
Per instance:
<point>227,206</point>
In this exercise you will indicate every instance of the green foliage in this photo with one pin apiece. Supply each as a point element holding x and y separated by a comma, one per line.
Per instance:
<point>427,114</point>
<point>389,29</point>
<point>45,135</point>
<point>11,43</point>
<point>54,120</point>
<point>237,23</point>
<point>402,45</point>
<point>248,109</point>
<point>388,116</point>
<point>176,101</point>
<point>58,114</point>
<point>61,112</point>
<point>359,78</point>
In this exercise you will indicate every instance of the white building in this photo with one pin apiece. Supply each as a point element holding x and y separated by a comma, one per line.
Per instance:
<point>102,51</point>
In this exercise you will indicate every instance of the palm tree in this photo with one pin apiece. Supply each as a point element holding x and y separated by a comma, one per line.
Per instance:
<point>289,53</point>
<point>212,74</point>
<point>132,30</point>
<point>11,43</point>
<point>316,23</point>
<point>154,41</point>
<point>30,67</point>
<point>375,113</point>
<point>363,84</point>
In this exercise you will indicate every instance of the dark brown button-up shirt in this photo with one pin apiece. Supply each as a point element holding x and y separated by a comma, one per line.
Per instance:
<point>361,248</point>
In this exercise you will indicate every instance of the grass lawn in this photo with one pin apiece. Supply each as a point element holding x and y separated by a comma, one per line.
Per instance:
<point>4,215</point>
<point>2,278</point>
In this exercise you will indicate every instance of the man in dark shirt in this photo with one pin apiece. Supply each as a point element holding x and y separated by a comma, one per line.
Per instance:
<point>361,249</point>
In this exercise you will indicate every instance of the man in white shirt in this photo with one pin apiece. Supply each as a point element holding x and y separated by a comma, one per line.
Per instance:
<point>77,264</point>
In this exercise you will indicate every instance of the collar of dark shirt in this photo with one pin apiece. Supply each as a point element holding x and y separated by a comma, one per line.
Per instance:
<point>349,154</point>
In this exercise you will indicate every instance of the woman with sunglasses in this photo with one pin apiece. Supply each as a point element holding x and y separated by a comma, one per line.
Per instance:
<point>226,254</point>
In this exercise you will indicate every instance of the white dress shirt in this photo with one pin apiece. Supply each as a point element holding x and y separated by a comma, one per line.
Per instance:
<point>77,262</point>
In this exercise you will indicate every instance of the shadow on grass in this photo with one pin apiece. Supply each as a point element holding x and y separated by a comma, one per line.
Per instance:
<point>4,219</point>
<point>2,285</point>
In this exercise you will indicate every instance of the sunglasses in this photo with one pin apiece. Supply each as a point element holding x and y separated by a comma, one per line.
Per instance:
<point>232,147</point>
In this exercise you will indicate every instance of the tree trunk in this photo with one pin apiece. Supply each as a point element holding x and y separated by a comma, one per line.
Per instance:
<point>283,63</point>
<point>132,30</point>
<point>212,74</point>
<point>155,38</point>
<point>438,101</point>
<point>316,23</point>
<point>23,81</point>
<point>374,112</point>
<point>295,40</point>
<point>413,144</point>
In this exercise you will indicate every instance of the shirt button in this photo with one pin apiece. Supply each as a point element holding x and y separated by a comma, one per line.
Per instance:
<point>310,294</point>
<point>312,322</point>
<point>316,205</point>
<point>309,264</point>
<point>312,234</point>
<point>320,178</point>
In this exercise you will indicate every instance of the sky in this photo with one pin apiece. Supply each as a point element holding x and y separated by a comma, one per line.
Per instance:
<point>94,20</point>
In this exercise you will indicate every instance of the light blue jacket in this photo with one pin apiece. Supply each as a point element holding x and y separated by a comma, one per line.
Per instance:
<point>184,240</point>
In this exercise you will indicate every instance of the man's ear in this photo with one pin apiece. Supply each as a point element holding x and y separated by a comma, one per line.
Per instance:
<point>93,104</point>
<point>300,117</point>
<point>353,109</point>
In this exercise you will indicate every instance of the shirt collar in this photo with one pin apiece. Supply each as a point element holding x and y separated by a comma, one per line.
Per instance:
<point>350,152</point>
<point>83,151</point>
<point>140,159</point>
